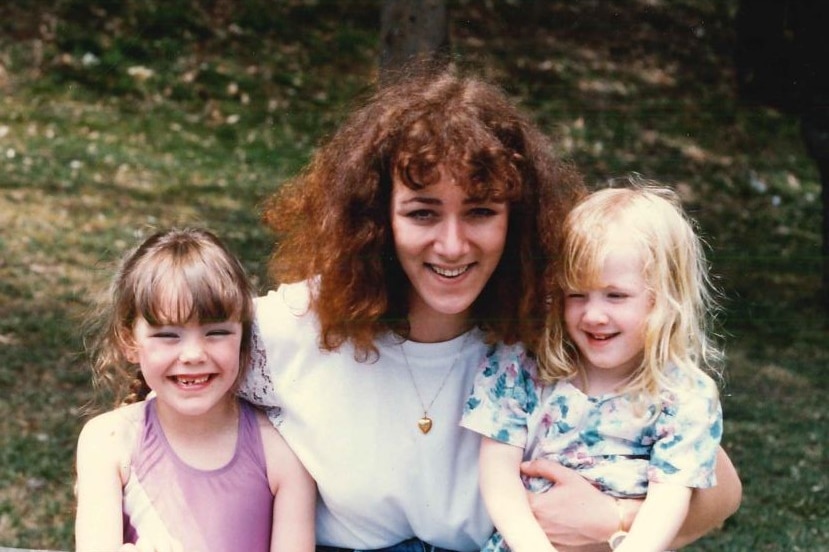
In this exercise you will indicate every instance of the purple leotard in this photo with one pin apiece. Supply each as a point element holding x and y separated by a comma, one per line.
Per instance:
<point>223,510</point>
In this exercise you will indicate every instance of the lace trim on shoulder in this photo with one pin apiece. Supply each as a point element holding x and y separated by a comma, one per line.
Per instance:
<point>257,385</point>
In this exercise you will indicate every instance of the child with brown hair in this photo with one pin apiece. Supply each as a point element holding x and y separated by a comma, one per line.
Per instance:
<point>189,467</point>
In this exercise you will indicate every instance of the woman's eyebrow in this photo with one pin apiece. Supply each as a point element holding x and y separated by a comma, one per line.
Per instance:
<point>422,199</point>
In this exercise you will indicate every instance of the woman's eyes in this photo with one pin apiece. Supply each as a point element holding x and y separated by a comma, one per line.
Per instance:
<point>421,214</point>
<point>482,212</point>
<point>430,214</point>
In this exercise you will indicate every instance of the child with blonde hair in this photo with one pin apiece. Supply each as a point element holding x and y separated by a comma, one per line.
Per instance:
<point>618,390</point>
<point>188,467</point>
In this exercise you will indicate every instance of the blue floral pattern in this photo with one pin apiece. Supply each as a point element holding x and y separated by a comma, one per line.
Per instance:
<point>612,440</point>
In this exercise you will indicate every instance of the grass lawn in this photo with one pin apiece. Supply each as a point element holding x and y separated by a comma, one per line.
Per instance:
<point>119,118</point>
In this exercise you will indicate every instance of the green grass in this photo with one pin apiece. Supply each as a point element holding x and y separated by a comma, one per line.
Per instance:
<point>92,158</point>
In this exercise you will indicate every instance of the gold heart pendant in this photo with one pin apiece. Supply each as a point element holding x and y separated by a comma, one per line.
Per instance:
<point>425,424</point>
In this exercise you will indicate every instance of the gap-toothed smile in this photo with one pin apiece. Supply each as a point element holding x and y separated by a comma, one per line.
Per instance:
<point>194,380</point>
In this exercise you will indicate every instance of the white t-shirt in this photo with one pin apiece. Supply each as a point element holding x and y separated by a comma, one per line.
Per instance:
<point>355,427</point>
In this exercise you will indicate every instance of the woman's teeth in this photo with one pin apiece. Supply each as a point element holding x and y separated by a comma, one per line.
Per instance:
<point>450,272</point>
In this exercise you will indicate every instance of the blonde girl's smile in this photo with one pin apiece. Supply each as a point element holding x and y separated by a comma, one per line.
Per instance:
<point>607,322</point>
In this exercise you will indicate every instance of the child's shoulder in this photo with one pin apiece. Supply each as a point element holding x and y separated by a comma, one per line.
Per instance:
<point>509,352</point>
<point>271,438</point>
<point>692,380</point>
<point>512,358</point>
<point>281,462</point>
<point>115,427</point>
<point>108,440</point>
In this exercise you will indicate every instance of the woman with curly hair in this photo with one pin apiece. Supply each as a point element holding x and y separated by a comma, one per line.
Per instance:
<point>422,233</point>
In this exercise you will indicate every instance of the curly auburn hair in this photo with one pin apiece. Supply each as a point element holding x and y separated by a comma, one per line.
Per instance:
<point>333,219</point>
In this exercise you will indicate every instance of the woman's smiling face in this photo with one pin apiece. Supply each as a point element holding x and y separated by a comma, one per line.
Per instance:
<point>448,244</point>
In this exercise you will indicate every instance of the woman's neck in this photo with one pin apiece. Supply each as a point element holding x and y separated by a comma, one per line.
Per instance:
<point>428,327</point>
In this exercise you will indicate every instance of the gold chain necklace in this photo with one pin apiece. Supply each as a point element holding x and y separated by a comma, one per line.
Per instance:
<point>425,423</point>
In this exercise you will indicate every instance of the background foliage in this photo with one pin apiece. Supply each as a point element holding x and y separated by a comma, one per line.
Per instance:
<point>120,117</point>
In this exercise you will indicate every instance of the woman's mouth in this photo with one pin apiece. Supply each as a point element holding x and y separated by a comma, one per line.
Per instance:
<point>449,272</point>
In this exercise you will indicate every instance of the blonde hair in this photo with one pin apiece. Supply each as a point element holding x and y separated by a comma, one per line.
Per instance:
<point>172,277</point>
<point>678,329</point>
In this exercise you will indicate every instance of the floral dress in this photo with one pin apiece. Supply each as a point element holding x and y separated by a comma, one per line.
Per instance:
<point>613,441</point>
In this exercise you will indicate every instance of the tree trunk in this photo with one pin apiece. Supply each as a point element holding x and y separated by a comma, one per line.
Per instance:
<point>781,62</point>
<point>412,29</point>
<point>816,136</point>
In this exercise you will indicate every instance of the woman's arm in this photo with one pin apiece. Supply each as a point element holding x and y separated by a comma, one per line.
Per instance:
<point>710,507</point>
<point>506,498</point>
<point>575,513</point>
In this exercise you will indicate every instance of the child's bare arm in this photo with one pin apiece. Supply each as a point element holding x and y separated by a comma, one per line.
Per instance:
<point>658,520</point>
<point>294,494</point>
<point>99,521</point>
<point>506,498</point>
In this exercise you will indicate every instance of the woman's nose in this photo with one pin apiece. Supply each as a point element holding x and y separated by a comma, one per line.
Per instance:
<point>452,240</point>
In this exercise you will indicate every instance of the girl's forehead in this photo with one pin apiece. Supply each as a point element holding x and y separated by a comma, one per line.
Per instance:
<point>167,309</point>
<point>595,252</point>
<point>629,262</point>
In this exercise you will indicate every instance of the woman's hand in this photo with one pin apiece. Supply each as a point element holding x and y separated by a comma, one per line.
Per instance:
<point>573,512</point>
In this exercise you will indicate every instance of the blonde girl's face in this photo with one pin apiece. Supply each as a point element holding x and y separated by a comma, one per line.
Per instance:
<point>448,245</point>
<point>607,322</point>
<point>192,367</point>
